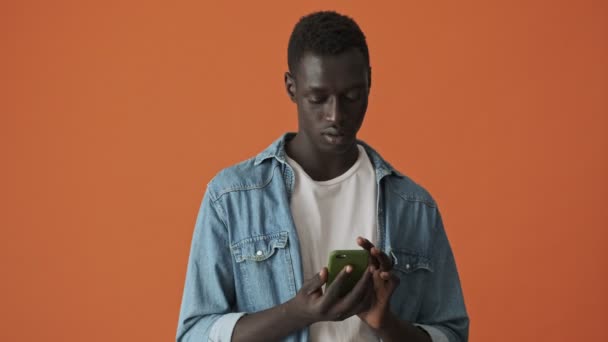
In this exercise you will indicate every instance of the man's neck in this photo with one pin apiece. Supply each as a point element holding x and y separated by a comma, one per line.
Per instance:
<point>318,165</point>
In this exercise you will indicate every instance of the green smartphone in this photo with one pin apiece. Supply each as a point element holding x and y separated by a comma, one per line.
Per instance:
<point>338,259</point>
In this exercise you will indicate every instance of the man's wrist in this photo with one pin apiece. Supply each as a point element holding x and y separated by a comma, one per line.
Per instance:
<point>293,312</point>
<point>388,322</point>
<point>271,324</point>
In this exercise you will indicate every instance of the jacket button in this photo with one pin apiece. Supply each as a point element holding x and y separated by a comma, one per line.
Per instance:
<point>407,266</point>
<point>259,253</point>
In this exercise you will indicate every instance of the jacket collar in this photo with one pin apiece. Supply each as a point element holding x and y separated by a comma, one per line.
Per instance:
<point>276,150</point>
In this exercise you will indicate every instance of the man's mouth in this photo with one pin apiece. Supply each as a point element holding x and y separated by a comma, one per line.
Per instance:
<point>334,136</point>
<point>332,131</point>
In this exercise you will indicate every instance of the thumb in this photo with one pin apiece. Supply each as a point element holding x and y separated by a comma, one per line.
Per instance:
<point>393,282</point>
<point>315,283</point>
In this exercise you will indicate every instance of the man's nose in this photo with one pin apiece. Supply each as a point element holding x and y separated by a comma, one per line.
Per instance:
<point>334,110</point>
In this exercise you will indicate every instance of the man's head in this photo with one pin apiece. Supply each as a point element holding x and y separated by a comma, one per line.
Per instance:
<point>324,33</point>
<point>329,79</point>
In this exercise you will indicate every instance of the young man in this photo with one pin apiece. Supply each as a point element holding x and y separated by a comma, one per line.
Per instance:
<point>267,225</point>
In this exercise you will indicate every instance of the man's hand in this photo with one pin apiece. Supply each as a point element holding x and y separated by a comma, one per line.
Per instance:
<point>311,305</point>
<point>384,284</point>
<point>369,299</point>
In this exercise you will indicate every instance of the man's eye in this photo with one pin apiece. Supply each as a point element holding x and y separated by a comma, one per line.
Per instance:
<point>353,95</point>
<point>316,99</point>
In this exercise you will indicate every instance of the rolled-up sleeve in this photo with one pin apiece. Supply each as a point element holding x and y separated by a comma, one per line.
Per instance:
<point>221,330</point>
<point>206,312</point>
<point>435,334</point>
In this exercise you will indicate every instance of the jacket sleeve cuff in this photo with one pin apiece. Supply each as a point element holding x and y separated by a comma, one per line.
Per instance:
<point>222,328</point>
<point>436,334</point>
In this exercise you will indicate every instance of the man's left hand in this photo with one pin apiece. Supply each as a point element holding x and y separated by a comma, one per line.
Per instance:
<point>385,283</point>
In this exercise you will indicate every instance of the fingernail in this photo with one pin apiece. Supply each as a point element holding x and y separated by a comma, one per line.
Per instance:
<point>349,268</point>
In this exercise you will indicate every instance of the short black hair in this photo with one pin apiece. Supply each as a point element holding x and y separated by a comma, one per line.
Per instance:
<point>324,33</point>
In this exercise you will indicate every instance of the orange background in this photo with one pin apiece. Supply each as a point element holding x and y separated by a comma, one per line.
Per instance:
<point>115,115</point>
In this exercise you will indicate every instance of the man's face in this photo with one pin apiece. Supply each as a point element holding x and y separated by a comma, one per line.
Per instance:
<point>331,94</point>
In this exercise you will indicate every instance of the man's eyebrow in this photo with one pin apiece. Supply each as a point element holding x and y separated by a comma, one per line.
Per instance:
<point>358,85</point>
<point>322,89</point>
<point>317,89</point>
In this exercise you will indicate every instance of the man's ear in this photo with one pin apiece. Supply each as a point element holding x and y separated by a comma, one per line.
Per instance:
<point>290,86</point>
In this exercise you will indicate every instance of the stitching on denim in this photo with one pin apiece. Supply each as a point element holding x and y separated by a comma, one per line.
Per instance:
<point>282,234</point>
<point>241,187</point>
<point>290,272</point>
<point>274,241</point>
<point>416,259</point>
<point>412,197</point>
<point>220,214</point>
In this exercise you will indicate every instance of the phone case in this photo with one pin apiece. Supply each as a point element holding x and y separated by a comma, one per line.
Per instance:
<point>338,259</point>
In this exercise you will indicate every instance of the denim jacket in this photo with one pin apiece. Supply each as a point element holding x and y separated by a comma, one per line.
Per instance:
<point>245,253</point>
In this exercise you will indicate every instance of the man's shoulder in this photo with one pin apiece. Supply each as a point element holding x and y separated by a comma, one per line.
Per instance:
<point>244,175</point>
<point>409,190</point>
<point>398,182</point>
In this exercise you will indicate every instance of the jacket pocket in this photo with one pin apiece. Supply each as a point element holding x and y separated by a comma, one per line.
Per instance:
<point>414,270</point>
<point>408,261</point>
<point>263,271</point>
<point>259,248</point>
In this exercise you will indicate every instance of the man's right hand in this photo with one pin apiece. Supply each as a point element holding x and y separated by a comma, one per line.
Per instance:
<point>311,305</point>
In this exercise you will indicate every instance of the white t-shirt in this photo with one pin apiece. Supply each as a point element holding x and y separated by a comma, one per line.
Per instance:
<point>330,215</point>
